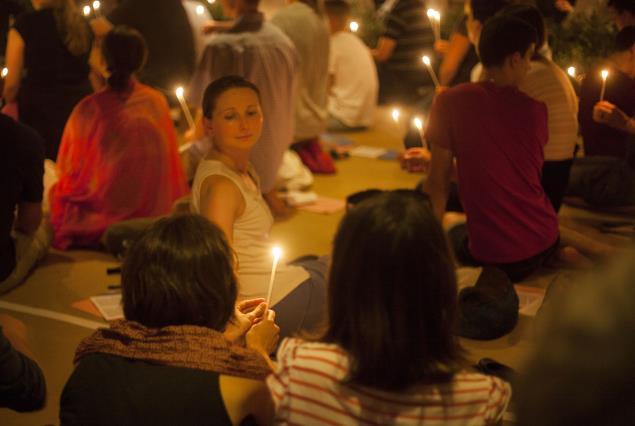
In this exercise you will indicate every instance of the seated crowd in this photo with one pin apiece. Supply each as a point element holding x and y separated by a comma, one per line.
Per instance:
<point>381,316</point>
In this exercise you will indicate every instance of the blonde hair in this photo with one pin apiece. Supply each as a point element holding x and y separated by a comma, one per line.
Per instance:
<point>72,26</point>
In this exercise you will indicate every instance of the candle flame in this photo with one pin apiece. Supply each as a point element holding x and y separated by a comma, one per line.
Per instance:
<point>86,10</point>
<point>96,4</point>
<point>426,59</point>
<point>395,114</point>
<point>571,71</point>
<point>354,26</point>
<point>211,1</point>
<point>431,13</point>
<point>418,123</point>
<point>605,74</point>
<point>437,16</point>
<point>5,72</point>
<point>276,252</point>
<point>179,92</point>
<point>200,10</point>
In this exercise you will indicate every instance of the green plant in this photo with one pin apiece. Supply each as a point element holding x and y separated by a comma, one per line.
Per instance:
<point>582,40</point>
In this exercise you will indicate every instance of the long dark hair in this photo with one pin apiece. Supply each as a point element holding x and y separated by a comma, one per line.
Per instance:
<point>180,272</point>
<point>392,293</point>
<point>125,53</point>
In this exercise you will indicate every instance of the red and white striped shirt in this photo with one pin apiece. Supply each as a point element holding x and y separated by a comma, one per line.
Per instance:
<point>307,389</point>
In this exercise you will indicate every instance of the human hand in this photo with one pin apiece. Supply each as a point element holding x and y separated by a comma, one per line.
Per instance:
<point>213,26</point>
<point>416,160</point>
<point>264,335</point>
<point>246,314</point>
<point>441,46</point>
<point>606,113</point>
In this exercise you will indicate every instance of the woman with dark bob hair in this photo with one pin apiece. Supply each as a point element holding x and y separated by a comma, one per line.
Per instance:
<point>389,354</point>
<point>184,354</point>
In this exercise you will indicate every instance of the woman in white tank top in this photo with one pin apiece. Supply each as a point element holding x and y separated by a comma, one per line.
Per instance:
<point>226,191</point>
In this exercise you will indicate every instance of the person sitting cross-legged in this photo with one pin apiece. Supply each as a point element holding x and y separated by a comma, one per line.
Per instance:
<point>496,134</point>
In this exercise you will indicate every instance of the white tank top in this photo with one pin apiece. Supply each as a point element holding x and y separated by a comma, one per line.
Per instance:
<point>251,238</point>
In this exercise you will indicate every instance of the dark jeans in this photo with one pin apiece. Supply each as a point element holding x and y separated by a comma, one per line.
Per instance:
<point>555,178</point>
<point>516,271</point>
<point>603,181</point>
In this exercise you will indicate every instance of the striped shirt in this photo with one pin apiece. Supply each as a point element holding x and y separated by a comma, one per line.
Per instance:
<point>307,389</point>
<point>547,83</point>
<point>408,25</point>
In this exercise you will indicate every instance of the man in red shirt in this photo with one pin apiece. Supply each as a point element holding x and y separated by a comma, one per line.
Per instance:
<point>496,134</point>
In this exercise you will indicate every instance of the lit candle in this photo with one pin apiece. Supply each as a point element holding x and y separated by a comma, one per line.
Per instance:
<point>354,26</point>
<point>96,6</point>
<point>5,72</point>
<point>86,10</point>
<point>437,18</point>
<point>571,71</point>
<point>605,74</point>
<point>200,10</point>
<point>395,115</point>
<point>418,123</point>
<point>277,253</point>
<point>186,110</point>
<point>211,1</point>
<point>433,75</point>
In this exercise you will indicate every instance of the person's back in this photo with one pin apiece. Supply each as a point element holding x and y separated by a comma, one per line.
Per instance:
<point>116,151</point>
<point>309,35</point>
<point>497,136</point>
<point>134,392</point>
<point>264,55</point>
<point>353,96</point>
<point>166,28</point>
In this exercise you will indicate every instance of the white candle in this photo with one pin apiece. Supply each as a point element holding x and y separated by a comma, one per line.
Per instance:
<point>354,26</point>
<point>186,110</point>
<point>277,253</point>
<point>433,75</point>
<point>605,74</point>
<point>432,17</point>
<point>571,71</point>
<point>86,10</point>
<point>96,6</point>
<point>5,72</point>
<point>418,123</point>
<point>395,113</point>
<point>437,18</point>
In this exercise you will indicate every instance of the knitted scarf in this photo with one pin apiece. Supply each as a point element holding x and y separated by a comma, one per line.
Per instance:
<point>186,346</point>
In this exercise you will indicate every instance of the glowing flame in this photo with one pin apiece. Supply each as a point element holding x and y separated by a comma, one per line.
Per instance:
<point>5,72</point>
<point>395,114</point>
<point>418,123</point>
<point>426,60</point>
<point>179,92</point>
<point>605,74</point>
<point>354,26</point>
<point>276,252</point>
<point>96,5</point>
<point>431,13</point>
<point>200,10</point>
<point>86,10</point>
<point>571,71</point>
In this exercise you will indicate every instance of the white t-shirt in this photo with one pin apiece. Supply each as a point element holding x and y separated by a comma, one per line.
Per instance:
<point>353,97</point>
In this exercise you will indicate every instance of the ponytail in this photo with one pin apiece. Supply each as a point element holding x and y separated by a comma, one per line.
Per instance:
<point>125,53</point>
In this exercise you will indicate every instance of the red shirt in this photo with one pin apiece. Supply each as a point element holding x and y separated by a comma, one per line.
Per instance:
<point>497,135</point>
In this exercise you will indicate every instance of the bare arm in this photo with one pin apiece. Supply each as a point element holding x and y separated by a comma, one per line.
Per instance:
<point>384,49</point>
<point>438,184</point>
<point>457,49</point>
<point>15,64</point>
<point>243,397</point>
<point>28,217</point>
<point>221,202</point>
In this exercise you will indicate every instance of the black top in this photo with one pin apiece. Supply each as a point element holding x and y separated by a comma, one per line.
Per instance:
<point>9,8</point>
<point>47,61</point>
<point>111,390</point>
<point>166,29</point>
<point>22,385</point>
<point>21,173</point>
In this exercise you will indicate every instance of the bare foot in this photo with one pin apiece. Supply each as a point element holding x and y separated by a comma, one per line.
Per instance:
<point>279,208</point>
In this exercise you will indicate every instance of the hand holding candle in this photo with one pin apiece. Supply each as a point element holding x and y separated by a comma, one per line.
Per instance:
<point>277,253</point>
<point>426,60</point>
<point>604,74</point>
<point>188,115</point>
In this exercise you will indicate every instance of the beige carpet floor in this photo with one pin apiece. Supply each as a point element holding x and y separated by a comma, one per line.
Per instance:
<point>64,278</point>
